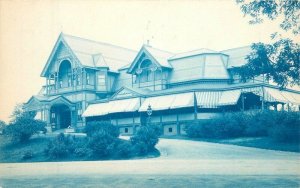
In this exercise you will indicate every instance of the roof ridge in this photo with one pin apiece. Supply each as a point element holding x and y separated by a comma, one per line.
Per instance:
<point>98,42</point>
<point>197,50</point>
<point>172,53</point>
<point>236,48</point>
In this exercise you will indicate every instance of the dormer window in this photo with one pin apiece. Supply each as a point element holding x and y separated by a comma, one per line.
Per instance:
<point>146,70</point>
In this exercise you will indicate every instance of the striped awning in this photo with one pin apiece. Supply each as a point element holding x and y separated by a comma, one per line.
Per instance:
<point>208,99</point>
<point>100,109</point>
<point>217,98</point>
<point>229,97</point>
<point>168,102</point>
<point>275,95</point>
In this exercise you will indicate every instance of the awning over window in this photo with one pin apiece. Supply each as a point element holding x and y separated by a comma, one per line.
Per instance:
<point>168,102</point>
<point>275,95</point>
<point>229,97</point>
<point>208,99</point>
<point>100,109</point>
<point>215,99</point>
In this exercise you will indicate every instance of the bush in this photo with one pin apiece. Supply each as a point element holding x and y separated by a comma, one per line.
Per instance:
<point>23,128</point>
<point>124,149</point>
<point>101,143</point>
<point>226,126</point>
<point>145,140</point>
<point>27,155</point>
<point>59,147</point>
<point>258,122</point>
<point>95,126</point>
<point>286,127</point>
<point>280,126</point>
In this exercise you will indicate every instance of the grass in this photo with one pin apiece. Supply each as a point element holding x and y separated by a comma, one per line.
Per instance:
<point>256,142</point>
<point>35,149</point>
<point>12,152</point>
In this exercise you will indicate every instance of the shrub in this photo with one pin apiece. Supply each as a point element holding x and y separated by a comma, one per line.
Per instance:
<point>145,140</point>
<point>27,155</point>
<point>258,122</point>
<point>226,126</point>
<point>95,126</point>
<point>286,127</point>
<point>124,149</point>
<point>101,143</point>
<point>59,147</point>
<point>23,128</point>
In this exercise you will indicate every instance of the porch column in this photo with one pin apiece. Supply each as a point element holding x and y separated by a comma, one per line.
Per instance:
<point>263,99</point>
<point>195,107</point>
<point>47,113</point>
<point>73,117</point>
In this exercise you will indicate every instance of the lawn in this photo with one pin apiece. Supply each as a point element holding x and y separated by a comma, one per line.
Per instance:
<point>11,152</point>
<point>35,147</point>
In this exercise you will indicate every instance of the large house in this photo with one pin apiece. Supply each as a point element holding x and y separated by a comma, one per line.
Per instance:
<point>88,80</point>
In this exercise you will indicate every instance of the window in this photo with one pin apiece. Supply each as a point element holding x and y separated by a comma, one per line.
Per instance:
<point>52,117</point>
<point>87,78</point>
<point>170,129</point>
<point>79,111</point>
<point>126,130</point>
<point>78,80</point>
<point>69,82</point>
<point>60,84</point>
<point>101,80</point>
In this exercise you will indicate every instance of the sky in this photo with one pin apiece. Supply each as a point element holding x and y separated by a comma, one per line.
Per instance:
<point>30,28</point>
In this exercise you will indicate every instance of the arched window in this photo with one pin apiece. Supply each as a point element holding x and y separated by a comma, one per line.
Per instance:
<point>147,75</point>
<point>65,74</point>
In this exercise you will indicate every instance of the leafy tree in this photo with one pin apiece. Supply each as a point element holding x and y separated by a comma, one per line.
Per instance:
<point>2,126</point>
<point>279,60</point>
<point>23,128</point>
<point>19,112</point>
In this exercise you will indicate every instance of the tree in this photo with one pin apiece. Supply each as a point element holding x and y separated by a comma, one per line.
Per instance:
<point>278,61</point>
<point>23,125</point>
<point>2,126</point>
<point>19,112</point>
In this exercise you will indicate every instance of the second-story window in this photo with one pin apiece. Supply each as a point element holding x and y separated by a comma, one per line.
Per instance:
<point>79,111</point>
<point>88,78</point>
<point>101,80</point>
<point>78,82</point>
<point>69,82</point>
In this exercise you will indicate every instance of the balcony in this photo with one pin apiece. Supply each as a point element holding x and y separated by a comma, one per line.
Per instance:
<point>152,85</point>
<point>52,90</point>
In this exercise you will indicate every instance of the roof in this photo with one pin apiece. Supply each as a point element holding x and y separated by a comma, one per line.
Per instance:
<point>157,57</point>
<point>237,56</point>
<point>97,54</point>
<point>195,52</point>
<point>160,56</point>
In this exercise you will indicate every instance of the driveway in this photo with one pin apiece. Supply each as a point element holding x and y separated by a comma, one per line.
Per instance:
<point>179,158</point>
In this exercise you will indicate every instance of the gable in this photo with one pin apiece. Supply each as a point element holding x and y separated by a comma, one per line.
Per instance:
<point>33,104</point>
<point>125,93</point>
<point>60,52</point>
<point>141,56</point>
<point>157,57</point>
